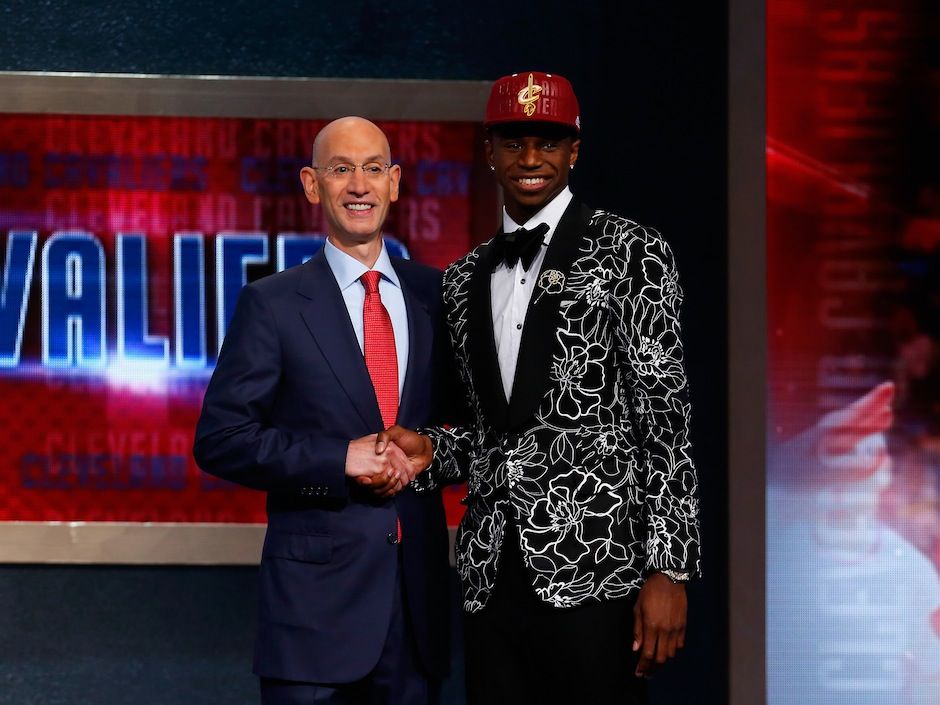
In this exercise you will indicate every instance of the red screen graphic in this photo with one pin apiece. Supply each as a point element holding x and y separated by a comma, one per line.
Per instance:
<point>93,434</point>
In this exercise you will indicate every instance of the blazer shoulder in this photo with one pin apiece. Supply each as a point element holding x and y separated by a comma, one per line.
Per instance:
<point>279,283</point>
<point>636,243</point>
<point>423,279</point>
<point>465,263</point>
<point>607,223</point>
<point>416,270</point>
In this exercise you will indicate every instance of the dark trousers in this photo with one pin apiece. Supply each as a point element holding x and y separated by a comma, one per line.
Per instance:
<point>397,679</point>
<point>521,651</point>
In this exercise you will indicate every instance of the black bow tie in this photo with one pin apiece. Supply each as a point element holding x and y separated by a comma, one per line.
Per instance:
<point>521,244</point>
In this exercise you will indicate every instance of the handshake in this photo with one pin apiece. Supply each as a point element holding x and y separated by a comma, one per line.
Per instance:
<point>386,462</point>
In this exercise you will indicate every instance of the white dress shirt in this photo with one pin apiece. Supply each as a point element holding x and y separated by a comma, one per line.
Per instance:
<point>347,270</point>
<point>511,289</point>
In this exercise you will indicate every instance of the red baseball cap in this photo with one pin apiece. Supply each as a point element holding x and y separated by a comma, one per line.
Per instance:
<point>533,96</point>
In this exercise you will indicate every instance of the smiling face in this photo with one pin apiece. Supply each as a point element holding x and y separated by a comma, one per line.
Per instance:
<point>355,203</point>
<point>531,162</point>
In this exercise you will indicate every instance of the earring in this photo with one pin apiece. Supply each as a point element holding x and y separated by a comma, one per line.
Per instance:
<point>492,168</point>
<point>571,166</point>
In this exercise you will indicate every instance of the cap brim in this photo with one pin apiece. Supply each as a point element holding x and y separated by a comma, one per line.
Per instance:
<point>530,121</point>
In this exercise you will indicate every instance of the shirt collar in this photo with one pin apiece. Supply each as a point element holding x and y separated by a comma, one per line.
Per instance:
<point>347,269</point>
<point>551,214</point>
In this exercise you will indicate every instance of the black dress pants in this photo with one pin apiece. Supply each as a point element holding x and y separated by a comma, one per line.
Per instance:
<point>522,651</point>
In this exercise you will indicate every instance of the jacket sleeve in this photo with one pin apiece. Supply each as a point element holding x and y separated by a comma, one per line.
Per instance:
<point>235,439</point>
<point>453,432</point>
<point>449,465</point>
<point>453,435</point>
<point>645,307</point>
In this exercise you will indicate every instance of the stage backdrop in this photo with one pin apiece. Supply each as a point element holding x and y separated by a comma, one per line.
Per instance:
<point>127,239</point>
<point>853,503</point>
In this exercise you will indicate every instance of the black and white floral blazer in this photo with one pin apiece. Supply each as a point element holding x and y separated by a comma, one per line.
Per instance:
<point>590,459</point>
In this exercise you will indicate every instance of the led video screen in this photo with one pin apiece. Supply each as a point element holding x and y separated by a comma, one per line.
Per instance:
<point>853,500</point>
<point>126,241</point>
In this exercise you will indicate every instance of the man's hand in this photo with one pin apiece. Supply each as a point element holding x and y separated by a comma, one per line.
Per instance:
<point>383,471</point>
<point>658,622</point>
<point>389,484</point>
<point>408,453</point>
<point>418,449</point>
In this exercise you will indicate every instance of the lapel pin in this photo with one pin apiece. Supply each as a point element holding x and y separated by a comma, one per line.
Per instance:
<point>550,282</point>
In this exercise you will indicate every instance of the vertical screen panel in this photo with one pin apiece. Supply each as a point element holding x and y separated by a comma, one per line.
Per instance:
<point>853,247</point>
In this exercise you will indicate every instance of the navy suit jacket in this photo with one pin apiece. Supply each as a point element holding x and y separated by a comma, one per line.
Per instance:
<point>289,392</point>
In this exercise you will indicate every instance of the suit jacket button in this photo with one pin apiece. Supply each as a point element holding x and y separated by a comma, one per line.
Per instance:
<point>392,538</point>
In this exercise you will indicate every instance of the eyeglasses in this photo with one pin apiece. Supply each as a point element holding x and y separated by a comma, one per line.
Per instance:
<point>343,171</point>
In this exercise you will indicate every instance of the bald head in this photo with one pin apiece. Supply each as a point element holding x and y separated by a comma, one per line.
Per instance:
<point>353,182</point>
<point>355,128</point>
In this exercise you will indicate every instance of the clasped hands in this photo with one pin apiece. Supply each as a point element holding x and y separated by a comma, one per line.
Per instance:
<point>386,462</point>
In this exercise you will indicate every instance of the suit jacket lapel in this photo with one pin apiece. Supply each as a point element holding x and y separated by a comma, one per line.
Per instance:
<point>481,345</point>
<point>419,354</point>
<point>544,315</point>
<point>326,317</point>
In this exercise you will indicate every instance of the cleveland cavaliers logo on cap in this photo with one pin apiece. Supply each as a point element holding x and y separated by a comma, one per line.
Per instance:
<point>545,97</point>
<point>529,96</point>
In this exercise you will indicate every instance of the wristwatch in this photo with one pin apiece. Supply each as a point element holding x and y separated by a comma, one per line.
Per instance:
<point>676,576</point>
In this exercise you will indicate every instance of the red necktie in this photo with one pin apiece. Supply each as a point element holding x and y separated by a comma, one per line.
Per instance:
<point>379,348</point>
<point>378,339</point>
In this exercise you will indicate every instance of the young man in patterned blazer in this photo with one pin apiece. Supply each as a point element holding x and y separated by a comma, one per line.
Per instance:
<point>581,525</point>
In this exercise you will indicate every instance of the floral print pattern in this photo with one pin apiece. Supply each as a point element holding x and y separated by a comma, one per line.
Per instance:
<point>600,483</point>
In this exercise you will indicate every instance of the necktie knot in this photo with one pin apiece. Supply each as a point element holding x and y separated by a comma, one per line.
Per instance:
<point>521,244</point>
<point>370,280</point>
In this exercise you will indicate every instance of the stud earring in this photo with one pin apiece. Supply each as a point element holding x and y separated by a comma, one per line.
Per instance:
<point>492,168</point>
<point>571,166</point>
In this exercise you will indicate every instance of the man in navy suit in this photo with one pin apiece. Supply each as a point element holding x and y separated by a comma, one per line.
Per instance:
<point>317,360</point>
